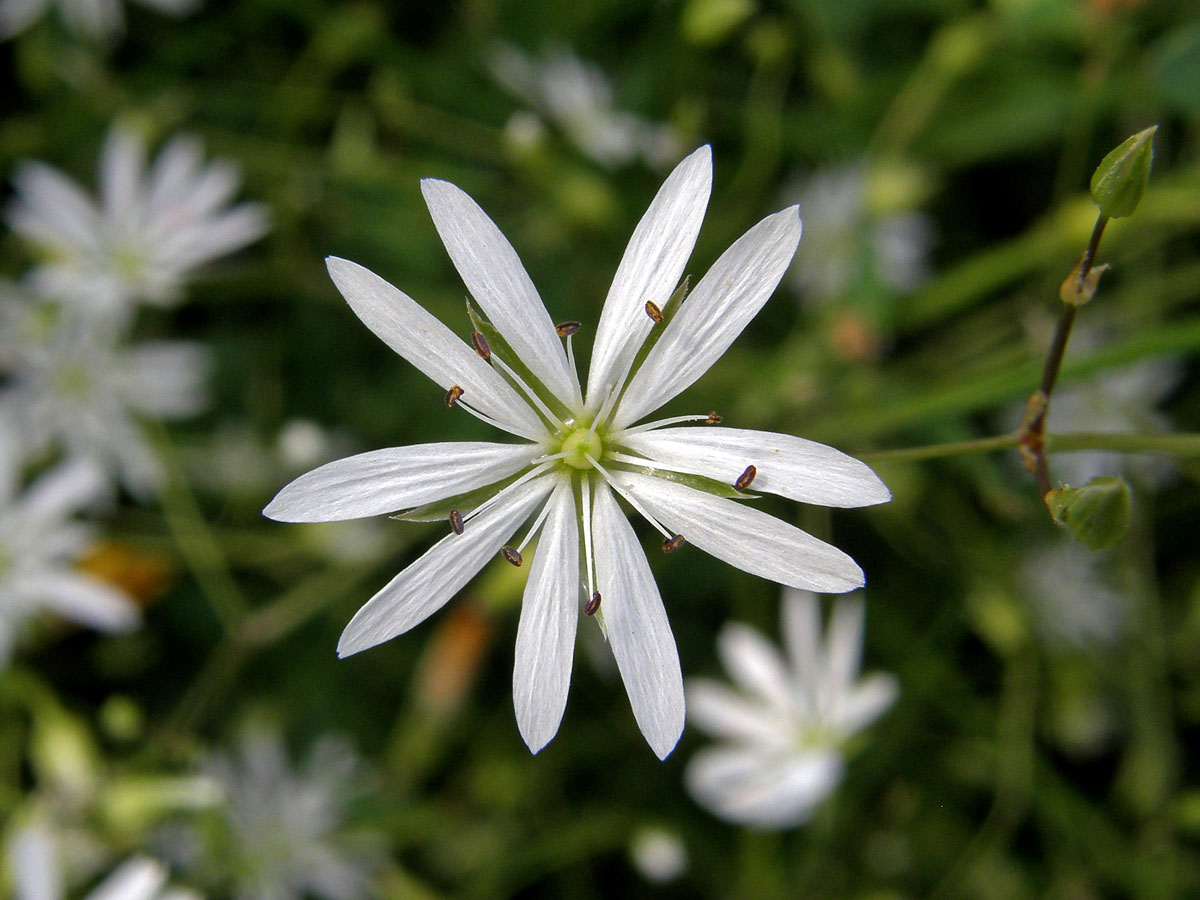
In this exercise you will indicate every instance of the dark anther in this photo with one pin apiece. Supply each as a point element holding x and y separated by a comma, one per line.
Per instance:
<point>714,418</point>
<point>566,329</point>
<point>746,478</point>
<point>654,312</point>
<point>453,394</point>
<point>671,544</point>
<point>479,342</point>
<point>456,521</point>
<point>589,608</point>
<point>511,555</point>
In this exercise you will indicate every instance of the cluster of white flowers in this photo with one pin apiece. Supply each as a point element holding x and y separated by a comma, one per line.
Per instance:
<point>577,97</point>
<point>102,19</point>
<point>74,385</point>
<point>584,450</point>
<point>783,733</point>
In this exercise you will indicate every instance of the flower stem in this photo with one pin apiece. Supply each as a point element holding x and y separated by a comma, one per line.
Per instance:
<point>1032,433</point>
<point>1187,445</point>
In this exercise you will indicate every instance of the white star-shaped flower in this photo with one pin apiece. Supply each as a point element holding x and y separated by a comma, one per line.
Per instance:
<point>583,450</point>
<point>99,18</point>
<point>150,229</point>
<point>783,733</point>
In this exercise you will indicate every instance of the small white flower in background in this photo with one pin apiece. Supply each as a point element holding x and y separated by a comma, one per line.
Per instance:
<point>40,541</point>
<point>658,854</point>
<point>583,451</point>
<point>283,831</point>
<point>847,242</point>
<point>98,18</point>
<point>151,228</point>
<point>783,732</point>
<point>79,389</point>
<point>37,873</point>
<point>577,97</point>
<point>1073,595</point>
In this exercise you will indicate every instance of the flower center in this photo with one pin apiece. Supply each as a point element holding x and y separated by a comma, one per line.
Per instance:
<point>579,445</point>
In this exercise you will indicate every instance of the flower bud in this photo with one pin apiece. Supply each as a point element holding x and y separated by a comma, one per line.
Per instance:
<point>1096,514</point>
<point>1121,177</point>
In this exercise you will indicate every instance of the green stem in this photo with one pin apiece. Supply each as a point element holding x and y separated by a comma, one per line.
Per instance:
<point>1186,445</point>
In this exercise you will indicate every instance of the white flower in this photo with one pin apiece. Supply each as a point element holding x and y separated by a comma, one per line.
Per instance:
<point>97,18</point>
<point>39,544</point>
<point>847,243</point>
<point>79,389</point>
<point>37,874</point>
<point>784,731</point>
<point>583,451</point>
<point>577,97</point>
<point>283,836</point>
<point>658,854</point>
<point>1074,595</point>
<point>149,230</point>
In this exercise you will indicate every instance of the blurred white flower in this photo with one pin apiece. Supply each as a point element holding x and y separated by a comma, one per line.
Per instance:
<point>583,452</point>
<point>40,541</point>
<point>1073,596</point>
<point>79,389</point>
<point>849,243</point>
<point>97,18</point>
<point>577,97</point>
<point>37,873</point>
<point>784,732</point>
<point>284,836</point>
<point>659,855</point>
<point>149,230</point>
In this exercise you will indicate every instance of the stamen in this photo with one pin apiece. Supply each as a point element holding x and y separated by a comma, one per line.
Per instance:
<point>746,478</point>
<point>453,395</point>
<point>605,409</point>
<point>537,526</point>
<point>654,312</point>
<point>511,555</point>
<point>714,418</point>
<point>589,608</point>
<point>585,504</point>
<point>531,474</point>
<point>456,521</point>
<point>479,342</point>
<point>670,545</point>
<point>482,417</point>
<point>566,329</point>
<point>645,515</point>
<point>662,423</point>
<point>550,417</point>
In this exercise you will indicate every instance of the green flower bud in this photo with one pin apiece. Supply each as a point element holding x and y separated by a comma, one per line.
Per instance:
<point>1096,514</point>
<point>1121,177</point>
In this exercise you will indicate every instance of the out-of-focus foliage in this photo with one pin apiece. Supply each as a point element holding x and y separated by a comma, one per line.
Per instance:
<point>1040,745</point>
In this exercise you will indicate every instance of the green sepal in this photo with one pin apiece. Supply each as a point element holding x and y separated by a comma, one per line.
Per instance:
<point>500,346</point>
<point>1120,179</point>
<point>1096,514</point>
<point>439,511</point>
<point>699,482</point>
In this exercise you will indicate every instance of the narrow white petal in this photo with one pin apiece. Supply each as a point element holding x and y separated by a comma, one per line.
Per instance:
<point>494,275</point>
<point>865,702</point>
<point>425,586</point>
<point>722,713</point>
<point>33,862</point>
<point>745,537</point>
<point>385,481</point>
<point>81,599</point>
<point>801,616</point>
<point>546,633</point>
<point>651,269</point>
<point>789,466</point>
<point>843,644</point>
<point>52,210</point>
<point>122,161</point>
<point>637,627</point>
<point>138,878</point>
<point>752,788</point>
<point>712,317</point>
<point>418,336</point>
<point>62,491</point>
<point>755,665</point>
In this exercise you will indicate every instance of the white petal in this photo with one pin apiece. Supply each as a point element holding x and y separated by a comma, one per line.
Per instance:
<point>722,713</point>
<point>546,633</point>
<point>744,536</point>
<point>52,210</point>
<point>138,878</point>
<point>494,275</point>
<point>637,627</point>
<point>425,586</point>
<point>713,315</point>
<point>651,269</point>
<point>402,324</point>
<point>755,665</point>
<point>752,788</point>
<point>62,491</point>
<point>122,161</point>
<point>33,862</point>
<point>81,599</point>
<point>789,466</point>
<point>843,644</point>
<point>385,481</point>
<point>866,702</point>
<point>801,616</point>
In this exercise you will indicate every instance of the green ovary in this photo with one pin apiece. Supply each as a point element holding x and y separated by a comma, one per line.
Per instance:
<point>578,445</point>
